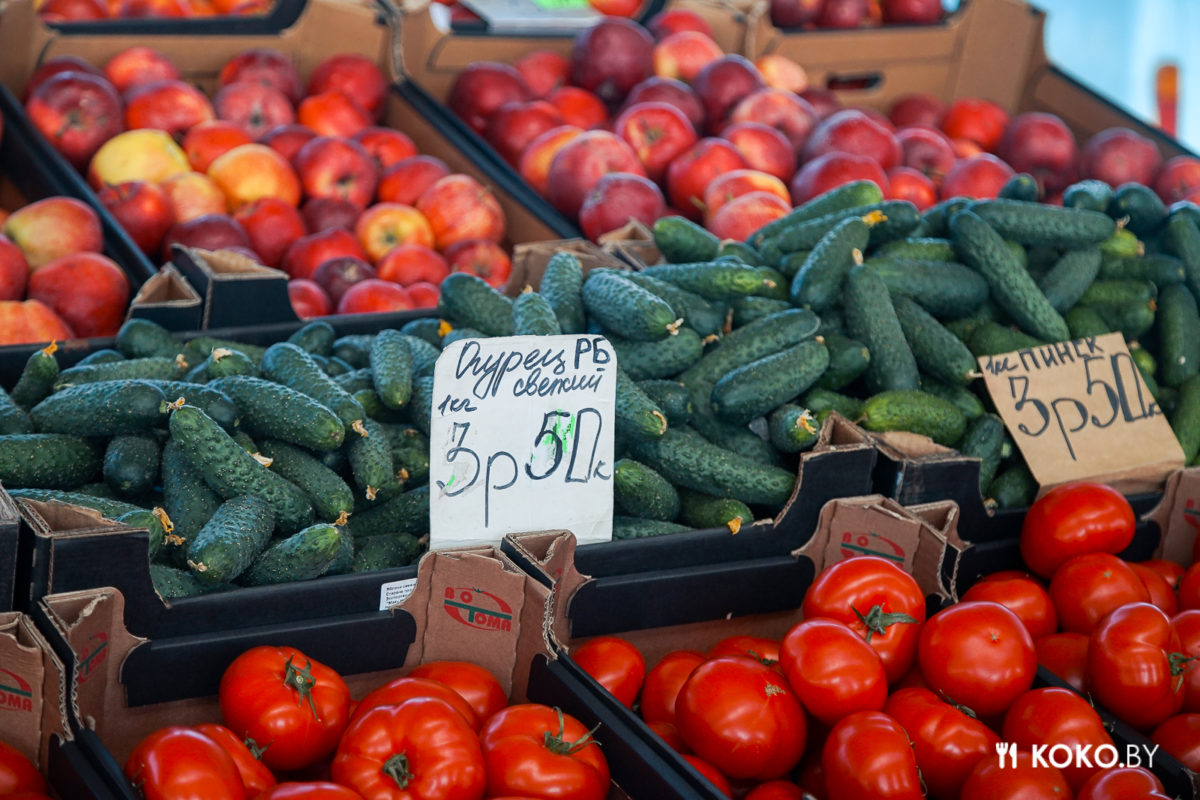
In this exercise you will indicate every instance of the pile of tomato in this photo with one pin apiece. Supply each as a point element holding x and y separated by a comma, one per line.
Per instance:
<point>867,697</point>
<point>444,731</point>
<point>19,778</point>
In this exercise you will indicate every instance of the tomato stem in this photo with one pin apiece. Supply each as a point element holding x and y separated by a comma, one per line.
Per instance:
<point>254,748</point>
<point>303,682</point>
<point>766,662</point>
<point>556,742</point>
<point>878,621</point>
<point>970,712</point>
<point>397,769</point>
<point>1179,665</point>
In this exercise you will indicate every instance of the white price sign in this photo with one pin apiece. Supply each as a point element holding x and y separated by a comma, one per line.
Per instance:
<point>522,439</point>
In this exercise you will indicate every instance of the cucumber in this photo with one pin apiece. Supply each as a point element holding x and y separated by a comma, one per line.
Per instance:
<point>154,522</point>
<point>626,309</point>
<point>792,429</point>
<point>1035,223</point>
<point>735,438</point>
<point>936,219</point>
<point>385,551</point>
<point>848,360</point>
<point>354,349</point>
<point>1159,268</point>
<point>414,461</point>
<point>732,247</point>
<point>893,219</point>
<point>982,249</point>
<point>420,407</point>
<point>245,442</point>
<point>639,528</point>
<point>1117,293</point>
<point>1040,259</point>
<point>817,400</point>
<point>424,355</point>
<point>671,397</point>
<point>943,288</point>
<point>745,345</point>
<point>637,414</point>
<point>153,368</point>
<point>938,352</point>
<point>231,471</point>
<point>1088,195</point>
<point>141,338</point>
<point>1178,335</point>
<point>992,338</point>
<point>469,301</point>
<point>356,381</point>
<point>107,408</point>
<point>774,285</point>
<point>392,368</point>
<point>188,500</point>
<point>272,409</point>
<point>748,309</point>
<point>1070,278</point>
<point>214,402</point>
<point>960,396</point>
<point>698,314</point>
<point>663,359</point>
<point>871,319</point>
<point>317,337</point>
<point>405,513</point>
<point>818,283</point>
<point>639,490</point>
<point>1185,421</point>
<point>1139,205</point>
<point>964,327</point>
<point>290,366</point>
<point>1084,322</point>
<point>329,494</point>
<point>37,378</point>
<point>131,464</point>
<point>562,286</point>
<point>1131,319</point>
<point>171,583</point>
<point>199,348</point>
<point>984,439</point>
<point>919,249</point>
<point>1122,244</point>
<point>1143,359</point>
<point>1181,239</point>
<point>427,329</point>
<point>534,316</point>
<point>302,556</point>
<point>756,388</point>
<point>229,542</point>
<point>703,511</point>
<point>713,280</point>
<point>855,194</point>
<point>914,411</point>
<point>1022,186</point>
<point>790,264</point>
<point>222,362</point>
<point>370,460</point>
<point>682,241</point>
<point>1013,488</point>
<point>832,321</point>
<point>458,334</point>
<point>13,418</point>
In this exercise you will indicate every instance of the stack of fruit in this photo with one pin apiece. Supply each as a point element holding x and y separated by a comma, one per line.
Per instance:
<point>68,11</point>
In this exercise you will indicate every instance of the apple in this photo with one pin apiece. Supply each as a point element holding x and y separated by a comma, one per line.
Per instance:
<point>917,108</point>
<point>253,171</point>
<point>831,170</point>
<point>54,227</point>
<point>482,88</point>
<point>744,215</point>
<point>138,65</point>
<point>206,141</point>
<point>407,179</point>
<point>534,166</point>
<point>254,107</point>
<point>77,112</point>
<point>1178,179</point>
<point>153,9</point>
<point>308,299</point>
<point>72,10</point>
<point>842,14</point>
<point>611,57</point>
<point>674,20</point>
<point>722,84</point>
<point>852,131</point>
<point>912,185</point>
<point>482,258</point>
<point>616,8</point>
<point>210,232</point>
<point>386,145</point>
<point>981,176</point>
<point>406,264</point>
<point>780,72</point>
<point>981,121</point>
<point>458,207</point>
<point>144,155</point>
<point>307,253</point>
<point>926,150</point>
<point>1118,155</point>
<point>725,188</point>
<point>921,12</point>
<point>674,92</point>
<point>1043,146</point>
<point>288,139</point>
<point>543,71</point>
<point>822,101</point>
<point>356,76</point>
<point>333,113</point>
<point>14,270</point>
<point>657,132</point>
<point>788,113</point>
<point>193,194</point>
<point>795,13</point>
<point>171,106</point>
<point>23,322</point>
<point>336,275</point>
<point>578,107</point>
<point>682,55</point>
<point>386,225</point>
<point>327,213</point>
<point>965,148</point>
<point>876,116</point>
<point>424,294</point>
<point>143,210</point>
<point>88,290</point>
<point>374,296</point>
<point>272,225</point>
<point>56,65</point>
<point>691,172</point>
<point>514,125</point>
<point>583,161</point>
<point>266,66</point>
<point>618,198</point>
<point>336,167</point>
<point>763,147</point>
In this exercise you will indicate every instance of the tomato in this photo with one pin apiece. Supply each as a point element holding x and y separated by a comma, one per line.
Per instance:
<point>866,755</point>
<point>476,685</point>
<point>1088,587</point>
<point>991,780</point>
<point>1056,716</point>
<point>1189,587</point>
<point>1161,593</point>
<point>422,749</point>
<point>913,679</point>
<point>663,683</point>
<point>832,671</point>
<point>17,773</point>
<point>1169,570</point>
<point>294,706</point>
<point>255,775</point>
<point>742,717</point>
<point>947,743</point>
<point>177,762</point>
<point>879,601</point>
<point>539,751</point>
<point>1072,520</point>
<point>1180,736</point>
<point>1187,625</point>
<point>396,692</point>
<point>1135,664</point>
<point>1021,594</point>
<point>775,790</point>
<point>757,647</point>
<point>309,790</point>
<point>670,734</point>
<point>1065,654</point>
<point>615,664</point>
<point>977,655</point>
<point>28,796</point>
<point>811,773</point>
<point>711,773</point>
<point>1122,783</point>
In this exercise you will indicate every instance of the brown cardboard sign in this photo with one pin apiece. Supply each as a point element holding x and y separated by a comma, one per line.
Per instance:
<point>1080,410</point>
<point>1178,516</point>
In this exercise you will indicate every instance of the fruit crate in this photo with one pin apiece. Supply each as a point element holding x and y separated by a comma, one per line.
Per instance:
<point>264,17</point>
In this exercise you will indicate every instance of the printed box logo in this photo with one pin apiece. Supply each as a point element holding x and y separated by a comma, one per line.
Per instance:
<point>478,609</point>
<point>92,656</point>
<point>871,544</point>
<point>15,692</point>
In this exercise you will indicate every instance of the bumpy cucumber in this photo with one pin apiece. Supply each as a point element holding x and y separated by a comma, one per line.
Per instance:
<point>662,359</point>
<point>745,345</point>
<point>1020,187</point>
<point>370,460</point>
<point>1185,421</point>
<point>963,398</point>
<point>171,583</point>
<point>343,558</point>
<point>107,408</point>
<point>984,439</point>
<point>735,438</point>
<point>637,414</point>
<point>991,339</point>
<point>1159,268</point>
<point>1083,322</point>
<point>1013,488</point>
<point>420,407</point>
<point>385,551</point>
<point>329,494</point>
<point>13,418</point>
<point>639,490</point>
<point>392,368</point>
<point>1178,335</point>
<point>272,409</point>
<point>459,334</point>
<point>682,241</point>
<point>37,378</point>
<point>698,510</point>
<point>154,368</point>
<point>756,388</point>
<point>214,402</point>
<point>222,362</point>
<point>853,195</point>
<point>713,280</point>
<point>625,308</point>
<point>427,329</point>
<point>131,463</point>
<point>141,338</point>
<point>188,500</point>
<point>1181,238</point>
<point>698,314</point>
<point>1122,244</point>
<point>899,217</point>
<point>818,283</point>
<point>534,316</point>
<point>1070,278</point>
<point>792,428</point>
<point>1035,223</point>
<point>1131,319</point>
<point>287,364</point>
<point>1117,293</point>
<point>919,249</point>
<point>230,541</point>
<point>640,528</point>
<point>671,397</point>
<point>749,309</point>
<point>354,349</point>
<point>740,250</point>
<point>153,522</point>
<point>405,513</point>
<point>917,412</point>
<point>848,360</point>
<point>936,219</point>
<point>1088,195</point>
<point>562,286</point>
<point>938,352</point>
<point>356,380</point>
<point>1142,209</point>
<point>871,319</point>
<point>302,556</point>
<point>817,400</point>
<point>316,337</point>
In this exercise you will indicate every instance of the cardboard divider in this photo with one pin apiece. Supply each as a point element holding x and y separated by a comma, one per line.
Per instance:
<point>235,289</point>
<point>1177,516</point>
<point>10,524</point>
<point>168,299</point>
<point>529,261</point>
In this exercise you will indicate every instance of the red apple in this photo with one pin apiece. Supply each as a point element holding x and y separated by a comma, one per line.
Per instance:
<point>171,106</point>
<point>210,232</point>
<point>254,107</point>
<point>922,12</point>
<point>143,210</point>
<point>583,161</point>
<point>407,179</point>
<point>535,162</point>
<point>689,174</point>
<point>744,215</point>
<point>54,227</point>
<point>412,263</point>
<point>822,101</point>
<point>578,107</point>
<point>682,55</point>
<point>916,109</point>
<point>87,290</point>
<point>926,150</point>
<point>288,139</point>
<point>723,84</point>
<point>611,57</point>
<point>386,145</point>
<point>482,88</point>
<point>1042,145</point>
<point>787,113</point>
<point>674,92</point>
<point>207,141</point>
<point>333,113</point>
<point>1178,179</point>
<point>876,116</point>
<point>616,8</point>
<point>852,131</point>
<point>374,296</point>
<point>657,132</point>
<point>72,10</point>
<point>386,225</point>
<point>26,321</point>
<point>336,275</point>
<point>14,270</point>
<point>328,213</point>
<point>981,176</point>
<point>271,225</point>
<point>335,167</point>
<point>424,294</point>
<point>253,171</point>
<point>1118,155</point>
<point>356,76</point>
<point>965,148</point>
<point>266,66</point>
<point>543,71</point>
<point>981,121</point>
<point>794,13</point>
<point>308,300</point>
<point>832,170</point>
<point>514,125</point>
<point>137,65</point>
<point>726,188</point>
<point>56,65</point>
<point>77,112</point>
<point>152,9</point>
<point>763,147</point>
<point>193,194</point>
<point>842,14</point>
<point>482,258</point>
<point>458,207</point>
<point>307,253</point>
<point>781,72</point>
<point>912,185</point>
<point>618,198</point>
<point>674,20</point>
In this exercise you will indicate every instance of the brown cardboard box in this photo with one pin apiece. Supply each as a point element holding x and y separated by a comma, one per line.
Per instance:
<point>33,689</point>
<point>529,261</point>
<point>1177,516</point>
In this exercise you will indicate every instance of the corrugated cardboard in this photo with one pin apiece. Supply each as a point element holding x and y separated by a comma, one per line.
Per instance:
<point>236,289</point>
<point>168,299</point>
<point>530,258</point>
<point>10,523</point>
<point>1177,516</point>
<point>33,689</point>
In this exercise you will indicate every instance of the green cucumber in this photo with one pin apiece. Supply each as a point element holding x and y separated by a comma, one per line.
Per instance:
<point>1013,488</point>
<point>354,349</point>
<point>562,286</point>
<point>534,316</point>
<point>871,319</point>
<point>682,241</point>
<point>1022,186</point>
<point>141,338</point>
<point>914,411</point>
<point>639,528</point>
<point>919,249</point>
<point>936,219</point>
<point>818,283</point>
<point>459,334</point>
<point>698,314</point>
<point>792,428</point>
<point>317,337</point>
<point>152,522</point>
<point>704,511</point>
<point>714,280</point>
<point>188,500</point>
<point>732,247</point>
<point>214,402</point>
<point>302,556</point>
<point>427,329</point>
<point>819,399</point>
<point>1070,278</point>
<point>848,360</point>
<point>13,418</point>
<point>1122,244</point>
<point>153,368</point>
<point>404,513</point>
<point>1088,195</point>
<point>735,438</point>
<point>892,219</point>
<point>1182,240</point>
<point>938,352</point>
<point>222,362</point>
<point>1131,319</point>
<point>853,195</point>
<point>392,368</point>
<point>230,541</point>
<point>171,583</point>
<point>290,366</point>
<point>1185,421</point>
<point>637,414</point>
<point>992,338</point>
<point>470,302</point>
<point>385,551</point>
<point>1084,322</point>
<point>639,490</point>
<point>1117,293</point>
<point>943,288</point>
<point>832,321</point>
<point>963,398</point>
<point>329,494</point>
<point>754,389</point>
<point>745,345</point>
<point>272,409</point>
<point>1143,359</point>
<point>626,309</point>
<point>37,378</point>
<point>420,407</point>
<point>199,348</point>
<point>356,381</point>
<point>107,408</point>
<point>1178,335</point>
<point>1035,223</point>
<point>748,309</point>
<point>671,397</point>
<point>984,439</point>
<point>131,463</point>
<point>1159,268</point>
<point>1140,206</point>
<point>662,359</point>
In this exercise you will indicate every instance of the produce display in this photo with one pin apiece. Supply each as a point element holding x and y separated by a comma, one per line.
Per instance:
<point>68,11</point>
<point>19,777</point>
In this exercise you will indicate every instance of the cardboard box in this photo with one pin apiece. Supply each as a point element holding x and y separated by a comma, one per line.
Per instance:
<point>10,522</point>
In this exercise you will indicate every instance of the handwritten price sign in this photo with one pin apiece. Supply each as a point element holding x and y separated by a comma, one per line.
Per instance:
<point>1080,410</point>
<point>522,439</point>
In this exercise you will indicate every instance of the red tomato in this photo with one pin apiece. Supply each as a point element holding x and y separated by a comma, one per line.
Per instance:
<point>757,647</point>
<point>1134,665</point>
<point>396,692</point>
<point>1056,716</point>
<point>17,773</point>
<point>1161,593</point>
<point>977,655</point>
<point>422,749</point>
<point>1021,594</point>
<point>1074,519</point>
<point>913,679</point>
<point>867,754</point>
<point>1088,587</point>
<point>710,772</point>
<point>616,665</point>
<point>1065,654</point>
<point>1189,587</point>
<point>541,752</point>
<point>947,743</point>
<point>743,717</point>
<point>309,790</point>
<point>879,601</point>
<point>476,685</point>
<point>1180,736</point>
<point>179,762</point>
<point>28,796</point>
<point>775,790</point>
<point>255,775</point>
<point>663,683</point>
<point>811,772</point>
<point>1187,625</point>
<point>281,699</point>
<point>1169,570</point>
<point>991,780</point>
<point>832,671</point>
<point>1122,783</point>
<point>670,734</point>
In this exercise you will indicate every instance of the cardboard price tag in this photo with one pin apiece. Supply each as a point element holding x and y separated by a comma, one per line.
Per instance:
<point>1080,410</point>
<point>522,439</point>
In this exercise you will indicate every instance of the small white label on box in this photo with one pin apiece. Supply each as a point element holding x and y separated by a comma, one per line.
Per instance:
<point>395,593</point>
